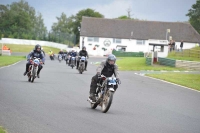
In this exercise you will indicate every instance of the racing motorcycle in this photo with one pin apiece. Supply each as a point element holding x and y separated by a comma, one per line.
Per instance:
<point>67,59</point>
<point>59,57</point>
<point>81,66</point>
<point>106,88</point>
<point>51,56</point>
<point>73,62</point>
<point>33,68</point>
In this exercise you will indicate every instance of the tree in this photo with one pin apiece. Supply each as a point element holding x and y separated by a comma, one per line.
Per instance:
<point>76,20</point>
<point>19,20</point>
<point>61,30</point>
<point>194,16</point>
<point>123,17</point>
<point>62,24</point>
<point>40,31</point>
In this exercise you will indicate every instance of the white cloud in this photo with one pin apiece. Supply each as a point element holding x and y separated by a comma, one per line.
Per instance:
<point>114,9</point>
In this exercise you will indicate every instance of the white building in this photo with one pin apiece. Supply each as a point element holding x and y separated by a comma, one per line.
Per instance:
<point>101,36</point>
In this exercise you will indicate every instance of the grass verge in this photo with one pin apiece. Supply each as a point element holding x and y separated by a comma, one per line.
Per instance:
<point>188,54</point>
<point>2,130</point>
<point>188,80</point>
<point>29,48</point>
<point>138,63</point>
<point>172,55</point>
<point>8,60</point>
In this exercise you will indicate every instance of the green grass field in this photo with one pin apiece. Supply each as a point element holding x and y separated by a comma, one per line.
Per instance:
<point>2,130</point>
<point>188,80</point>
<point>138,63</point>
<point>8,60</point>
<point>29,48</point>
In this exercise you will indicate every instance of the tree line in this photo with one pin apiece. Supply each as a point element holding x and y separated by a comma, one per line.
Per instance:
<point>20,20</point>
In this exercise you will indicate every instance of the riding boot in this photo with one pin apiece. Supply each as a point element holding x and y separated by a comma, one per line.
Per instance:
<point>93,87</point>
<point>77,65</point>
<point>85,66</point>
<point>38,72</point>
<point>27,65</point>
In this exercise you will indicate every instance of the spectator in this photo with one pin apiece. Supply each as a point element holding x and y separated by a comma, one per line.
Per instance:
<point>173,45</point>
<point>170,45</point>
<point>181,45</point>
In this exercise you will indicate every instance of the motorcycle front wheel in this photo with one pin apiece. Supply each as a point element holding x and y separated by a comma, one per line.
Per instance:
<point>80,70</point>
<point>33,75</point>
<point>107,101</point>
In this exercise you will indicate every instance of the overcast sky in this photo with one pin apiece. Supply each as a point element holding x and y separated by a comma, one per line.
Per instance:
<point>156,10</point>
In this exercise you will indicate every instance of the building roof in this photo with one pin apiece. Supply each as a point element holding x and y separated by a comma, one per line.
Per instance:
<point>123,29</point>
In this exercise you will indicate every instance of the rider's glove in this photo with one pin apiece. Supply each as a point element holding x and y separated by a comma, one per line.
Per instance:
<point>98,74</point>
<point>118,80</point>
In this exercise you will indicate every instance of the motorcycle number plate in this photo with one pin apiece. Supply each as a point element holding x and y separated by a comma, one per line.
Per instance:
<point>111,82</point>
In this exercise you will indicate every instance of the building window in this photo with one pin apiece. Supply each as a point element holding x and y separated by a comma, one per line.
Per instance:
<point>96,39</point>
<point>115,40</point>
<point>90,39</point>
<point>140,42</point>
<point>93,39</point>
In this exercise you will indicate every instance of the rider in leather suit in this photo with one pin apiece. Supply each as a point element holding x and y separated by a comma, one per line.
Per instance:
<point>72,54</point>
<point>106,68</point>
<point>38,54</point>
<point>83,52</point>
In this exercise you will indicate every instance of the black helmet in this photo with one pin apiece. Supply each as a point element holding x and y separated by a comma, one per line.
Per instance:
<point>83,47</point>
<point>37,46</point>
<point>111,57</point>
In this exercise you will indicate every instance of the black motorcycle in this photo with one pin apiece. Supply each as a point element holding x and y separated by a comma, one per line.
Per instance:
<point>52,56</point>
<point>73,62</point>
<point>81,67</point>
<point>33,68</point>
<point>106,88</point>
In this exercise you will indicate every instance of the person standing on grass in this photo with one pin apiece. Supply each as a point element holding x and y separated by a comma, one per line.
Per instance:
<point>170,45</point>
<point>181,45</point>
<point>173,45</point>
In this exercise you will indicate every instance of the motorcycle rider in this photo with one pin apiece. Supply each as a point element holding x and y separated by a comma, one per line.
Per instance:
<point>106,68</point>
<point>83,52</point>
<point>60,53</point>
<point>38,54</point>
<point>72,54</point>
<point>65,54</point>
<point>51,54</point>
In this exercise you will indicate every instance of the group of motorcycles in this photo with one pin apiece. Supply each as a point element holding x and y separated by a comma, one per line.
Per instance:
<point>106,86</point>
<point>72,64</point>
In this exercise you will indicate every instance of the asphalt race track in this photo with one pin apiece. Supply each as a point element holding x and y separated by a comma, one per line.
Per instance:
<point>56,103</point>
